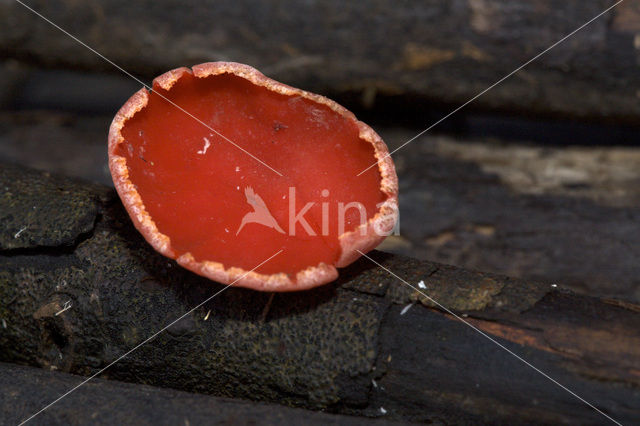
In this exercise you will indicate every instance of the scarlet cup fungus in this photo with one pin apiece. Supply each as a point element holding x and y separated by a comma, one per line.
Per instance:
<point>198,198</point>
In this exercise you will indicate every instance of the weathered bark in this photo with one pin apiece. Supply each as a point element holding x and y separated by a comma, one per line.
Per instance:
<point>26,390</point>
<point>440,50</point>
<point>567,216</point>
<point>345,347</point>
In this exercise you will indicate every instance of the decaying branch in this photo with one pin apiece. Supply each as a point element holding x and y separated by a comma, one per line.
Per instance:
<point>79,288</point>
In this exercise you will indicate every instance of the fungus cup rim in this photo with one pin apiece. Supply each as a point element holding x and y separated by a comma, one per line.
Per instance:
<point>362,239</point>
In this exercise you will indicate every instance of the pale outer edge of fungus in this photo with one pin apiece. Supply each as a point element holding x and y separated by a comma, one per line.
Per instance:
<point>364,238</point>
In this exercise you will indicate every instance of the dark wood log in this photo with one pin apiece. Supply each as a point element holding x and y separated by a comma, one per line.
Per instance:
<point>25,390</point>
<point>555,214</point>
<point>558,215</point>
<point>440,51</point>
<point>355,346</point>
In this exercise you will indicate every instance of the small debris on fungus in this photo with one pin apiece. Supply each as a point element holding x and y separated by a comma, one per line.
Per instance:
<point>207,144</point>
<point>292,146</point>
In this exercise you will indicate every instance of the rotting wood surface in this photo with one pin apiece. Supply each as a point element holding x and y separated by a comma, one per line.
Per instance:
<point>79,288</point>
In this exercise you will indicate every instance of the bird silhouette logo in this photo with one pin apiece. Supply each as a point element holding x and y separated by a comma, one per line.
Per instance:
<point>260,213</point>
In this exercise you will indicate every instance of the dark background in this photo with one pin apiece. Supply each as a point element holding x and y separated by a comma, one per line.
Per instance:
<point>538,178</point>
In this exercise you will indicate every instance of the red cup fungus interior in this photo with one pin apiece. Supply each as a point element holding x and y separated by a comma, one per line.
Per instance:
<point>199,198</point>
